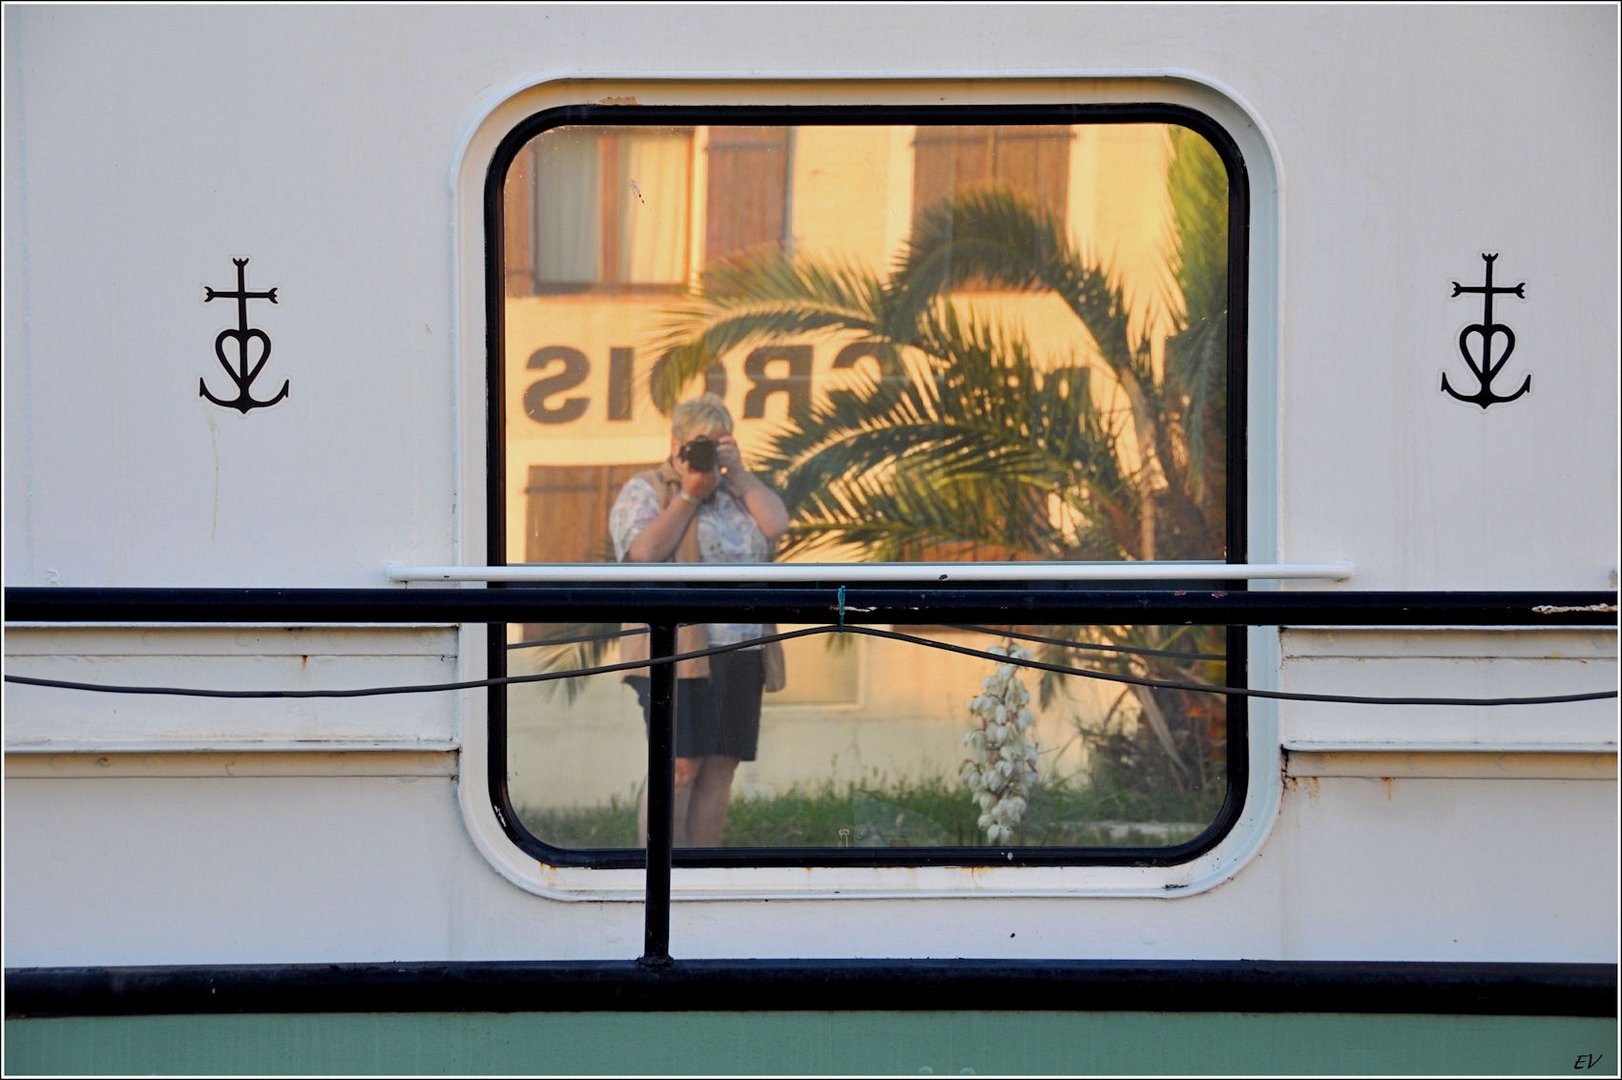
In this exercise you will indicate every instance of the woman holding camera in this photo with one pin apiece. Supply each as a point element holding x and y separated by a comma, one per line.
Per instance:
<point>702,505</point>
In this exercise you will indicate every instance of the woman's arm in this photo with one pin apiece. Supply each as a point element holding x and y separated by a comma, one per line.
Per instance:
<point>770,515</point>
<point>658,539</point>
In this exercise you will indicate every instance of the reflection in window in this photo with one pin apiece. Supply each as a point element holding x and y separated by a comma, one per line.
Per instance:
<point>936,342</point>
<point>881,744</point>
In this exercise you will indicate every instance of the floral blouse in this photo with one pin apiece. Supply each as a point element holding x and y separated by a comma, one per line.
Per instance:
<point>726,534</point>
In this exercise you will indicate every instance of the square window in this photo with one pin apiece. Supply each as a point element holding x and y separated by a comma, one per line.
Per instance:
<point>962,336</point>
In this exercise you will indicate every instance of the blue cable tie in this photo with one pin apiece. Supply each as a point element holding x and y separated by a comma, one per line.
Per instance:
<point>841,609</point>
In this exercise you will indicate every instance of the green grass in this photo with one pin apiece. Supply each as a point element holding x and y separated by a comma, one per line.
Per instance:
<point>929,813</point>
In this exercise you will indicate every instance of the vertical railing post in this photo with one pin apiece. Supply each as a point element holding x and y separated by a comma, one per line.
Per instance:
<point>661,794</point>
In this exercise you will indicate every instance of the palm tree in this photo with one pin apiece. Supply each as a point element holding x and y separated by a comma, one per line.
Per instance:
<point>968,438</point>
<point>970,429</point>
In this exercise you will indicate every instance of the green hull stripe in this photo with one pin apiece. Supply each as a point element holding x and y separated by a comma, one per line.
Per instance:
<point>811,1043</point>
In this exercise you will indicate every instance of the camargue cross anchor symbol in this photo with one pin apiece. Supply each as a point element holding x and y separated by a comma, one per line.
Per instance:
<point>1486,331</point>
<point>245,372</point>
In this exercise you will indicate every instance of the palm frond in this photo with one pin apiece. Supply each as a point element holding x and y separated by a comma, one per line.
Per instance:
<point>996,238</point>
<point>579,646</point>
<point>1196,354</point>
<point>1197,187</point>
<point>759,298</point>
<point>973,413</point>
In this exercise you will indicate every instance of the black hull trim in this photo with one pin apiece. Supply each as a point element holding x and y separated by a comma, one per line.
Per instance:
<point>1266,986</point>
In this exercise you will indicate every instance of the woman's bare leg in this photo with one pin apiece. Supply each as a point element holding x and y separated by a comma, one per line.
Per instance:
<point>711,794</point>
<point>686,770</point>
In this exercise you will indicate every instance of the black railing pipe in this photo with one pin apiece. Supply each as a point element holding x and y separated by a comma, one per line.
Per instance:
<point>661,795</point>
<point>899,604</point>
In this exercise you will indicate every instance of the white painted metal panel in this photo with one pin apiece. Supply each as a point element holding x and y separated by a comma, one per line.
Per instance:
<point>1390,148</point>
<point>347,868</point>
<point>40,719</point>
<point>1450,664</point>
<point>261,869</point>
<point>147,147</point>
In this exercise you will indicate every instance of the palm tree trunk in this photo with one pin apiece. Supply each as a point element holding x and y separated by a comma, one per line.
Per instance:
<point>1146,523</point>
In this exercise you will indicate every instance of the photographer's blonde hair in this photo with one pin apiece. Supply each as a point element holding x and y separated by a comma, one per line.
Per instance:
<point>704,411</point>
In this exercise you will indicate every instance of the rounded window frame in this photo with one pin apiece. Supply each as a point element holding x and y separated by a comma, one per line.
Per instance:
<point>1248,808</point>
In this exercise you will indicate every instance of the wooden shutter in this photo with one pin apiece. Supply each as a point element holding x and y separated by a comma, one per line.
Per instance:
<point>746,200</point>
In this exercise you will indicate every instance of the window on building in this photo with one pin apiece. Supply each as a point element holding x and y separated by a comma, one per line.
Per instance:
<point>1030,160</point>
<point>630,191</point>
<point>1045,375</point>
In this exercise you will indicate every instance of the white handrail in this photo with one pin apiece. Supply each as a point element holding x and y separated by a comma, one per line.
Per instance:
<point>698,573</point>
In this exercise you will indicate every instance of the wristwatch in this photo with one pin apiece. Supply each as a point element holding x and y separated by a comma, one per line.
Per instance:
<point>689,498</point>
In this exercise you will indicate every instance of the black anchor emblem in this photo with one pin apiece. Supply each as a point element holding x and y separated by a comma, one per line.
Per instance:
<point>1487,368</point>
<point>245,371</point>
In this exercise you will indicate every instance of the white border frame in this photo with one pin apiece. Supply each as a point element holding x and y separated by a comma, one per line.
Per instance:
<point>1264,291</point>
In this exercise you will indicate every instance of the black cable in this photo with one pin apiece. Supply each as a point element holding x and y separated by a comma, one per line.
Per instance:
<point>423,688</point>
<point>513,680</point>
<point>1207,688</point>
<point>1134,650</point>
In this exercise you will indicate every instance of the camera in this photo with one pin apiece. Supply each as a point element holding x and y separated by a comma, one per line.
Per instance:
<point>700,454</point>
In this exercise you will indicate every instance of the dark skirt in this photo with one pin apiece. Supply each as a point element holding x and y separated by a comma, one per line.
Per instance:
<point>718,716</point>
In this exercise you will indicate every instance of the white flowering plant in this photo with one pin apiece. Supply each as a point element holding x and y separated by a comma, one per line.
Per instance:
<point>1001,769</point>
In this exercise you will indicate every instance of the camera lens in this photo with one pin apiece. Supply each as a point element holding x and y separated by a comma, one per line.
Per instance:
<point>700,454</point>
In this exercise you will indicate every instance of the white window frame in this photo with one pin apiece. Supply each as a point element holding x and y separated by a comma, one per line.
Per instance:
<point>1262,797</point>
